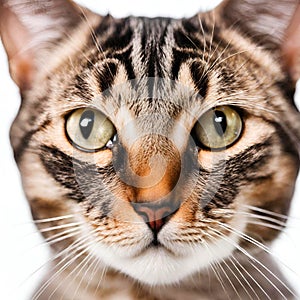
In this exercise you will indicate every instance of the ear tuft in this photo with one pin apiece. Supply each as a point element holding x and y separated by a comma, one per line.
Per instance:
<point>274,25</point>
<point>291,46</point>
<point>30,29</point>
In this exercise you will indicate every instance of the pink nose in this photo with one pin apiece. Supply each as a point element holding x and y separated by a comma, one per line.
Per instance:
<point>155,215</point>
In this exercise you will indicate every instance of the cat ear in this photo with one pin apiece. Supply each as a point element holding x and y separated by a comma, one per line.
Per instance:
<point>275,25</point>
<point>30,29</point>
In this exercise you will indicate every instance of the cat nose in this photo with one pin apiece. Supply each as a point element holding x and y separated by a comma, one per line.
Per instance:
<point>155,215</point>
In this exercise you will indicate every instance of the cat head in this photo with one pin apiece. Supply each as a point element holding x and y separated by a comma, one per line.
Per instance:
<point>160,142</point>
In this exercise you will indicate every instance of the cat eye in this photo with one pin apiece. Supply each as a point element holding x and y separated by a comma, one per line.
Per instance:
<point>218,128</point>
<point>89,129</point>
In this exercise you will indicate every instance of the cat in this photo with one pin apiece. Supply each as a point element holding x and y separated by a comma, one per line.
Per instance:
<point>159,156</point>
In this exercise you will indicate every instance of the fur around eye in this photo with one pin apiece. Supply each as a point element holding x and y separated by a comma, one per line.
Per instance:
<point>218,128</point>
<point>89,129</point>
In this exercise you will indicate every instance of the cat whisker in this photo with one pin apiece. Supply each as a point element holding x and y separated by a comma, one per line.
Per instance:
<point>233,273</point>
<point>63,238</point>
<point>215,271</point>
<point>90,259</point>
<point>54,228</point>
<point>268,225</point>
<point>79,267</point>
<point>255,243</point>
<point>269,212</point>
<point>227,277</point>
<point>219,234</point>
<point>62,235</point>
<point>57,238</point>
<point>90,275</point>
<point>256,261</point>
<point>245,237</point>
<point>236,262</point>
<point>283,224</point>
<point>58,227</point>
<point>76,243</point>
<point>63,266</point>
<point>102,276</point>
<point>242,278</point>
<point>47,220</point>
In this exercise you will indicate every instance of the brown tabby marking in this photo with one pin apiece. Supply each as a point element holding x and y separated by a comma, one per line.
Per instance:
<point>154,79</point>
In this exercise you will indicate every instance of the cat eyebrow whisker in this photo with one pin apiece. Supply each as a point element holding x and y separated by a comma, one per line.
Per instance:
<point>212,37</point>
<point>94,37</point>
<point>203,33</point>
<point>73,44</point>
<point>218,63</point>
<point>243,103</point>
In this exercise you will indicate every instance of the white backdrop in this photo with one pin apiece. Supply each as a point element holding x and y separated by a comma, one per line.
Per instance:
<point>21,252</point>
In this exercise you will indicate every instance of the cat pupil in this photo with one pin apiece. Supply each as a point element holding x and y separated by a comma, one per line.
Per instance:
<point>86,123</point>
<point>220,122</point>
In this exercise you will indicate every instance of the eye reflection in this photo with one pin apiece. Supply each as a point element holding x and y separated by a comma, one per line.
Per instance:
<point>89,129</point>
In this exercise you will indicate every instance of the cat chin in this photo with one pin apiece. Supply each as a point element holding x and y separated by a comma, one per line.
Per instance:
<point>158,266</point>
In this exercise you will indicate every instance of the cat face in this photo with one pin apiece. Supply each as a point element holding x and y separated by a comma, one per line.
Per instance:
<point>161,143</point>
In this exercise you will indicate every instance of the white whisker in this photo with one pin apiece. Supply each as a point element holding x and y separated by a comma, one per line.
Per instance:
<point>63,267</point>
<point>54,219</point>
<point>252,258</point>
<point>269,212</point>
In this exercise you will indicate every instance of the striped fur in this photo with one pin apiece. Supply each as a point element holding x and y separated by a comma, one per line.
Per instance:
<point>154,78</point>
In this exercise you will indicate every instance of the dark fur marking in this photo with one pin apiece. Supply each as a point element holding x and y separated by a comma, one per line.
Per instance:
<point>84,181</point>
<point>200,78</point>
<point>124,35</point>
<point>106,76</point>
<point>20,149</point>
<point>82,87</point>
<point>233,173</point>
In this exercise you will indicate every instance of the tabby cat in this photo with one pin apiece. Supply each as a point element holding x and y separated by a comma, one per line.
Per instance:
<point>159,156</point>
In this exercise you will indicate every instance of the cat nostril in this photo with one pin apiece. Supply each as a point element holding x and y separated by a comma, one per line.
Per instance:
<point>155,215</point>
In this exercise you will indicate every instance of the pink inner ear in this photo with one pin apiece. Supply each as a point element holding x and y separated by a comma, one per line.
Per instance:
<point>291,46</point>
<point>16,40</point>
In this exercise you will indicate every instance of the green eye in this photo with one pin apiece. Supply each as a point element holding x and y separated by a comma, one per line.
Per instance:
<point>89,129</point>
<point>219,128</point>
